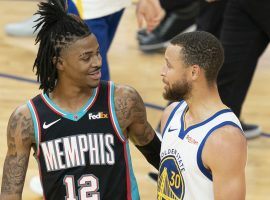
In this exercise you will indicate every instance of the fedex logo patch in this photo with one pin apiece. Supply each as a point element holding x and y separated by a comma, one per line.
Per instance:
<point>99,115</point>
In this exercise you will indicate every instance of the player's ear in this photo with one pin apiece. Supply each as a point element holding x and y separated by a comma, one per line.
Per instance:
<point>195,72</point>
<point>58,63</point>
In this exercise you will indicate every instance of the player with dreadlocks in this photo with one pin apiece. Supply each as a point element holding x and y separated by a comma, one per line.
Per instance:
<point>78,126</point>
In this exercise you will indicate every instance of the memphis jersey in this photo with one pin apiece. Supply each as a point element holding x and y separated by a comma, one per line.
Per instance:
<point>83,155</point>
<point>182,175</point>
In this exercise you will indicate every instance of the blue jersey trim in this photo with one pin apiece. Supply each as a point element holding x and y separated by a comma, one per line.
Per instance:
<point>72,116</point>
<point>204,170</point>
<point>183,132</point>
<point>171,116</point>
<point>134,187</point>
<point>133,183</point>
<point>35,122</point>
<point>115,121</point>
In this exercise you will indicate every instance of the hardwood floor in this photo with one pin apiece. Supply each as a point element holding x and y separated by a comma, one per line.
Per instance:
<point>142,71</point>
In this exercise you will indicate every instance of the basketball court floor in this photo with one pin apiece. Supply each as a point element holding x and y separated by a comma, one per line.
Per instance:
<point>128,66</point>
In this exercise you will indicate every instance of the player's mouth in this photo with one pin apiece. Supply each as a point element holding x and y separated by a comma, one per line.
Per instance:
<point>96,74</point>
<point>165,82</point>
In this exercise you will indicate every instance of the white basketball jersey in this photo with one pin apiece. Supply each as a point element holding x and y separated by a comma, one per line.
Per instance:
<point>91,9</point>
<point>182,175</point>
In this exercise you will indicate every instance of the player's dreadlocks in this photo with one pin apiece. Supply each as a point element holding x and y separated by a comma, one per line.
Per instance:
<point>58,30</point>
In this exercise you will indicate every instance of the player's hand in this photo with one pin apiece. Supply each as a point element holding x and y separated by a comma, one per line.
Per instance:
<point>149,12</point>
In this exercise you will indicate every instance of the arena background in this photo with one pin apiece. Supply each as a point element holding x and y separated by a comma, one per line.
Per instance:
<point>128,66</point>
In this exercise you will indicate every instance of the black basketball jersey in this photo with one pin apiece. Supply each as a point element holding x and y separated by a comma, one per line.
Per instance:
<point>83,155</point>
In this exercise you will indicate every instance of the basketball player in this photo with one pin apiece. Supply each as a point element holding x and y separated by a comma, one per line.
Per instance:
<point>79,126</point>
<point>103,18</point>
<point>203,152</point>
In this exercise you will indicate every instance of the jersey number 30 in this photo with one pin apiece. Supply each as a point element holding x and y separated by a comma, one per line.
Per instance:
<point>88,187</point>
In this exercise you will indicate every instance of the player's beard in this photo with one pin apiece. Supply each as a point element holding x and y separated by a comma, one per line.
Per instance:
<point>178,91</point>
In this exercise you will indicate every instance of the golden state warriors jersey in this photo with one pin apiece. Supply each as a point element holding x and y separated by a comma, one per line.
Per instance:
<point>182,175</point>
<point>92,9</point>
<point>83,155</point>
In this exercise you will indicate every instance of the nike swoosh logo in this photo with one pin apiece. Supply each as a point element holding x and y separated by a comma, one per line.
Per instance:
<point>170,130</point>
<point>45,126</point>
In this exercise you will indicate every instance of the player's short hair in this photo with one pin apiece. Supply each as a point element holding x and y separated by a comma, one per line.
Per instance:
<point>203,49</point>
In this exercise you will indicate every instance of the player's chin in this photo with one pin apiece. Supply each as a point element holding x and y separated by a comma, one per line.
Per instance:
<point>166,88</point>
<point>94,83</point>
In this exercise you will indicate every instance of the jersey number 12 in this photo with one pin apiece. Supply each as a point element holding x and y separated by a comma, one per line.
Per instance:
<point>88,187</point>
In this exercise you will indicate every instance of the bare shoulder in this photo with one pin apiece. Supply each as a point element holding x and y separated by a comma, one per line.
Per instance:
<point>21,111</point>
<point>226,144</point>
<point>129,105</point>
<point>227,137</point>
<point>166,113</point>
<point>122,91</point>
<point>21,125</point>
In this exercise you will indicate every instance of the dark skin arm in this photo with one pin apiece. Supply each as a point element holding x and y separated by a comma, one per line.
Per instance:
<point>131,115</point>
<point>20,138</point>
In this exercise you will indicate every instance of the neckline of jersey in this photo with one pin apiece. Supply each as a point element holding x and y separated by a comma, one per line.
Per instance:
<point>72,116</point>
<point>184,131</point>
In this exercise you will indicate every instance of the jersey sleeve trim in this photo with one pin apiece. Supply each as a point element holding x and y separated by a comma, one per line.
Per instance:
<point>133,193</point>
<point>36,123</point>
<point>171,116</point>
<point>113,116</point>
<point>202,168</point>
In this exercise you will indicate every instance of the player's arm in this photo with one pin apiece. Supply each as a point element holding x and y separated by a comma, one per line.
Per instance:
<point>20,138</point>
<point>131,115</point>
<point>225,154</point>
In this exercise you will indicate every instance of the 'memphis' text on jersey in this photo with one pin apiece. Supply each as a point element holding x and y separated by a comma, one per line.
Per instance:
<point>68,152</point>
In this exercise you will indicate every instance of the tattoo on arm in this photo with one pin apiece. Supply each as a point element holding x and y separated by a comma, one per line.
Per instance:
<point>20,136</point>
<point>128,105</point>
<point>131,115</point>
<point>14,173</point>
<point>12,132</point>
<point>27,130</point>
<point>145,136</point>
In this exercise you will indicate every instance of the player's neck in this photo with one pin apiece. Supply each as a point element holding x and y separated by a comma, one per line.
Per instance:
<point>202,104</point>
<point>70,98</point>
